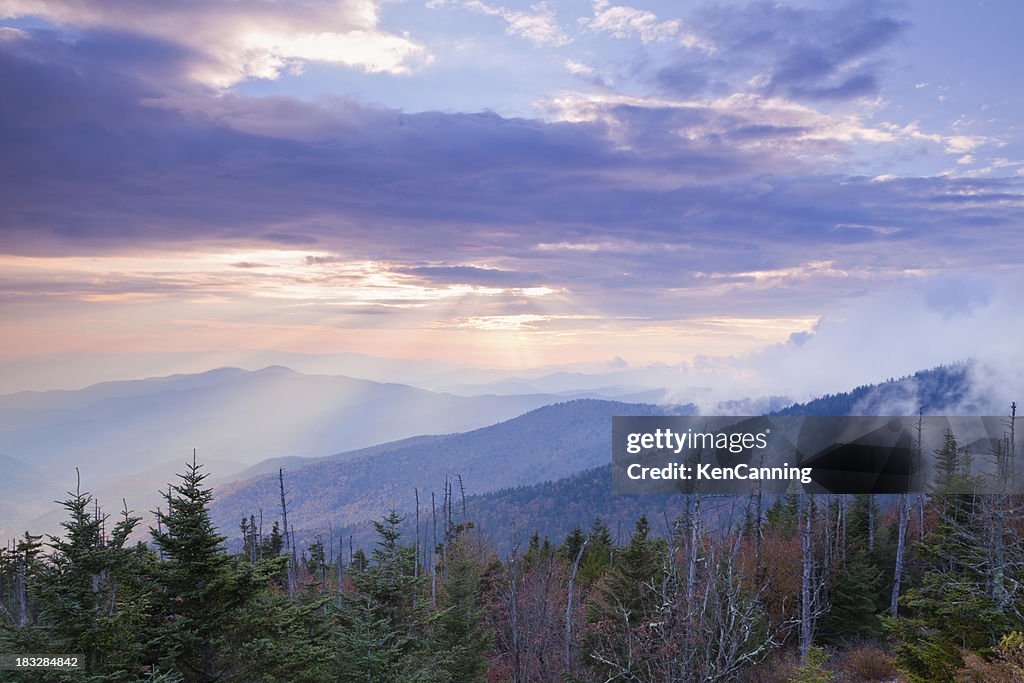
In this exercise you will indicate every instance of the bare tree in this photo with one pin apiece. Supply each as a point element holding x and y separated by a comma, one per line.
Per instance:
<point>691,621</point>
<point>529,631</point>
<point>806,574</point>
<point>289,537</point>
<point>901,537</point>
<point>568,609</point>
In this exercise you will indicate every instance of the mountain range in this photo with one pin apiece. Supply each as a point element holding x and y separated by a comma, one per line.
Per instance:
<point>544,471</point>
<point>351,449</point>
<point>548,443</point>
<point>128,438</point>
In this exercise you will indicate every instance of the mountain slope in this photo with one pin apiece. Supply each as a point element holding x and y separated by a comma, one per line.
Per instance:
<point>941,390</point>
<point>232,414</point>
<point>128,438</point>
<point>543,491</point>
<point>25,491</point>
<point>549,508</point>
<point>549,443</point>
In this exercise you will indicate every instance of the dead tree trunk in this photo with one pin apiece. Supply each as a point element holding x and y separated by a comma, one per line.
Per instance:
<point>462,494</point>
<point>289,540</point>
<point>901,537</point>
<point>568,609</point>
<point>807,567</point>
<point>433,555</point>
<point>692,550</point>
<point>416,549</point>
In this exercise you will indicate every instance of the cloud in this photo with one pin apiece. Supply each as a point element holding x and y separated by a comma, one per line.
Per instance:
<point>751,122</point>
<point>778,49</point>
<point>98,160</point>
<point>250,264</point>
<point>538,24</point>
<point>891,332</point>
<point>620,21</point>
<point>228,42</point>
<point>525,321</point>
<point>674,224</point>
<point>473,275</point>
<point>578,68</point>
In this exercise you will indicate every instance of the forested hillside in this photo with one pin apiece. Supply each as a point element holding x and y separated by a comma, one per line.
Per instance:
<point>810,588</point>
<point>938,391</point>
<point>544,444</point>
<point>539,573</point>
<point>550,508</point>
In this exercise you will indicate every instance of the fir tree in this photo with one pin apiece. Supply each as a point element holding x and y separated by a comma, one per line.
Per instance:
<point>389,578</point>
<point>273,545</point>
<point>855,602</point>
<point>597,556</point>
<point>951,610</point>
<point>90,596</point>
<point>201,588</point>
<point>627,599</point>
<point>461,633</point>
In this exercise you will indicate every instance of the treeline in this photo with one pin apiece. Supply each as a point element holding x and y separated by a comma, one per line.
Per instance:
<point>945,389</point>
<point>801,588</point>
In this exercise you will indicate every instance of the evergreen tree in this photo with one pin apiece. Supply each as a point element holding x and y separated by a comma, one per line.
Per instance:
<point>359,561</point>
<point>90,596</point>
<point>863,508</point>
<point>461,633</point>
<point>628,598</point>
<point>539,552</point>
<point>201,589</point>
<point>781,517</point>
<point>19,568</point>
<point>316,565</point>
<point>597,556</point>
<point>951,610</point>
<point>370,649</point>
<point>855,599</point>
<point>572,544</point>
<point>284,639</point>
<point>639,563</point>
<point>273,545</point>
<point>389,578</point>
<point>382,632</point>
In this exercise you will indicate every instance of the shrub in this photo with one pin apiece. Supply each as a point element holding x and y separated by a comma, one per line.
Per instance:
<point>779,667</point>
<point>869,663</point>
<point>813,671</point>
<point>1011,651</point>
<point>977,670</point>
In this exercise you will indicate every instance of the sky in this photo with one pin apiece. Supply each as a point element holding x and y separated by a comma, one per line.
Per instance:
<point>803,193</point>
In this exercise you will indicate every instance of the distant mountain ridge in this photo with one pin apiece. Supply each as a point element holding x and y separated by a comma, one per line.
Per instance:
<point>386,439</point>
<point>129,433</point>
<point>25,491</point>
<point>538,497</point>
<point>231,414</point>
<point>941,390</point>
<point>548,508</point>
<point>548,443</point>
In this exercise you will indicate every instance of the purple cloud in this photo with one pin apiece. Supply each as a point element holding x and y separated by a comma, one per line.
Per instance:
<point>619,208</point>
<point>781,49</point>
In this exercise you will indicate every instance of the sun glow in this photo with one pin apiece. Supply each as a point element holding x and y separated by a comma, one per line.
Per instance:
<point>316,302</point>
